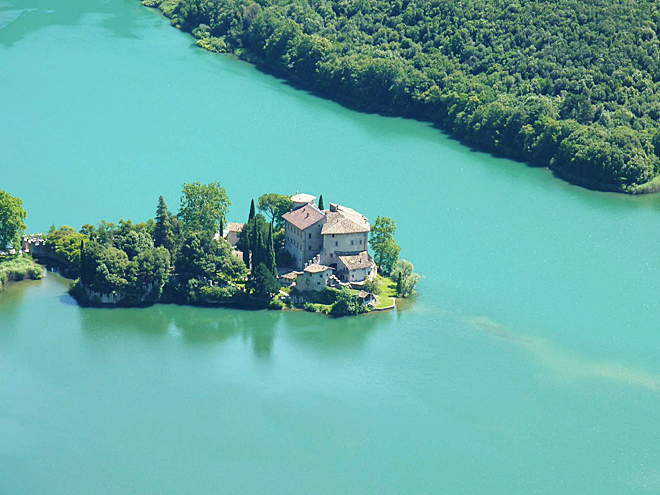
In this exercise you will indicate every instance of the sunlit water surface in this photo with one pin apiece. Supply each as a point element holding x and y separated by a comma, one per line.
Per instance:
<point>530,363</point>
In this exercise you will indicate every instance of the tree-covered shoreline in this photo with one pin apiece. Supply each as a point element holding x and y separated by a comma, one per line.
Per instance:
<point>186,258</point>
<point>570,85</point>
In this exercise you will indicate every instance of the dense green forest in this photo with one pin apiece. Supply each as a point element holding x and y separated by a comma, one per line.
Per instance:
<point>568,84</point>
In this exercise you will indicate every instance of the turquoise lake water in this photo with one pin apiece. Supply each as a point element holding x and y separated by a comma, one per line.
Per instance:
<point>530,362</point>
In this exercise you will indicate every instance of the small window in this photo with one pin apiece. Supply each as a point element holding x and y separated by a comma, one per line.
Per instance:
<point>310,236</point>
<point>333,236</point>
<point>318,283</point>
<point>320,275</point>
<point>360,241</point>
<point>352,242</point>
<point>332,255</point>
<point>336,243</point>
<point>310,248</point>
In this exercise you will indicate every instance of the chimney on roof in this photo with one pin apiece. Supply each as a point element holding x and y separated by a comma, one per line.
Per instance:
<point>333,207</point>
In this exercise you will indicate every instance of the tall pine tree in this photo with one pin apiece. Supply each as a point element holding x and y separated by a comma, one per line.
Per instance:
<point>321,205</point>
<point>163,233</point>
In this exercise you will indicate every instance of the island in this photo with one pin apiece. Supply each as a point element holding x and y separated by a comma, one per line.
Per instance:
<point>568,85</point>
<point>292,252</point>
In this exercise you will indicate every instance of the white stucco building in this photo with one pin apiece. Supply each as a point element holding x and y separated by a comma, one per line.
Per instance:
<point>314,277</point>
<point>337,238</point>
<point>355,267</point>
<point>232,231</point>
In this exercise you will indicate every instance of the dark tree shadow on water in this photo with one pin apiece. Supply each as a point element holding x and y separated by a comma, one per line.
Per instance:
<point>100,323</point>
<point>201,326</point>
<point>196,326</point>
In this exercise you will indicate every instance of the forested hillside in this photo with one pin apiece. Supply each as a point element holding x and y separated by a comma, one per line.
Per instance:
<point>569,84</point>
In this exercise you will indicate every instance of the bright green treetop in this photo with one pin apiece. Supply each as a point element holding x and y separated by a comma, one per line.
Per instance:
<point>12,221</point>
<point>386,250</point>
<point>406,279</point>
<point>164,233</point>
<point>275,205</point>
<point>203,206</point>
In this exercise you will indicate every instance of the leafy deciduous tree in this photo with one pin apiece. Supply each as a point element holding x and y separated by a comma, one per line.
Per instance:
<point>203,206</point>
<point>12,221</point>
<point>406,279</point>
<point>386,250</point>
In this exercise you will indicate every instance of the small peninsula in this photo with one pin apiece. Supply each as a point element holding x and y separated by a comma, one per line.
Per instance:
<point>291,252</point>
<point>573,86</point>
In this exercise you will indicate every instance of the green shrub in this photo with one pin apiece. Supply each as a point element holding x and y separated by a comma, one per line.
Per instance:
<point>77,291</point>
<point>347,303</point>
<point>317,308</point>
<point>213,44</point>
<point>20,268</point>
<point>167,7</point>
<point>64,243</point>
<point>372,286</point>
<point>276,304</point>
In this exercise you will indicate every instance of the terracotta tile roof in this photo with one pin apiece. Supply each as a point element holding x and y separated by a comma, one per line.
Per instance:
<point>316,268</point>
<point>303,198</point>
<point>357,261</point>
<point>304,217</point>
<point>235,227</point>
<point>291,275</point>
<point>344,220</point>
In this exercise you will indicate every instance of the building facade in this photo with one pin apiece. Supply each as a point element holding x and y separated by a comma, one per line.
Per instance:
<point>322,237</point>
<point>314,277</point>
<point>356,267</point>
<point>303,226</point>
<point>232,231</point>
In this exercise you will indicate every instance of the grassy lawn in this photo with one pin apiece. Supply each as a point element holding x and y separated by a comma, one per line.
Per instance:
<point>317,308</point>
<point>387,293</point>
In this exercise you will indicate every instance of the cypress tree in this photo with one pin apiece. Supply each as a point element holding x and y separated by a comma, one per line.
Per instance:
<point>263,250</point>
<point>255,244</point>
<point>270,250</point>
<point>82,261</point>
<point>222,229</point>
<point>321,206</point>
<point>245,249</point>
<point>252,211</point>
